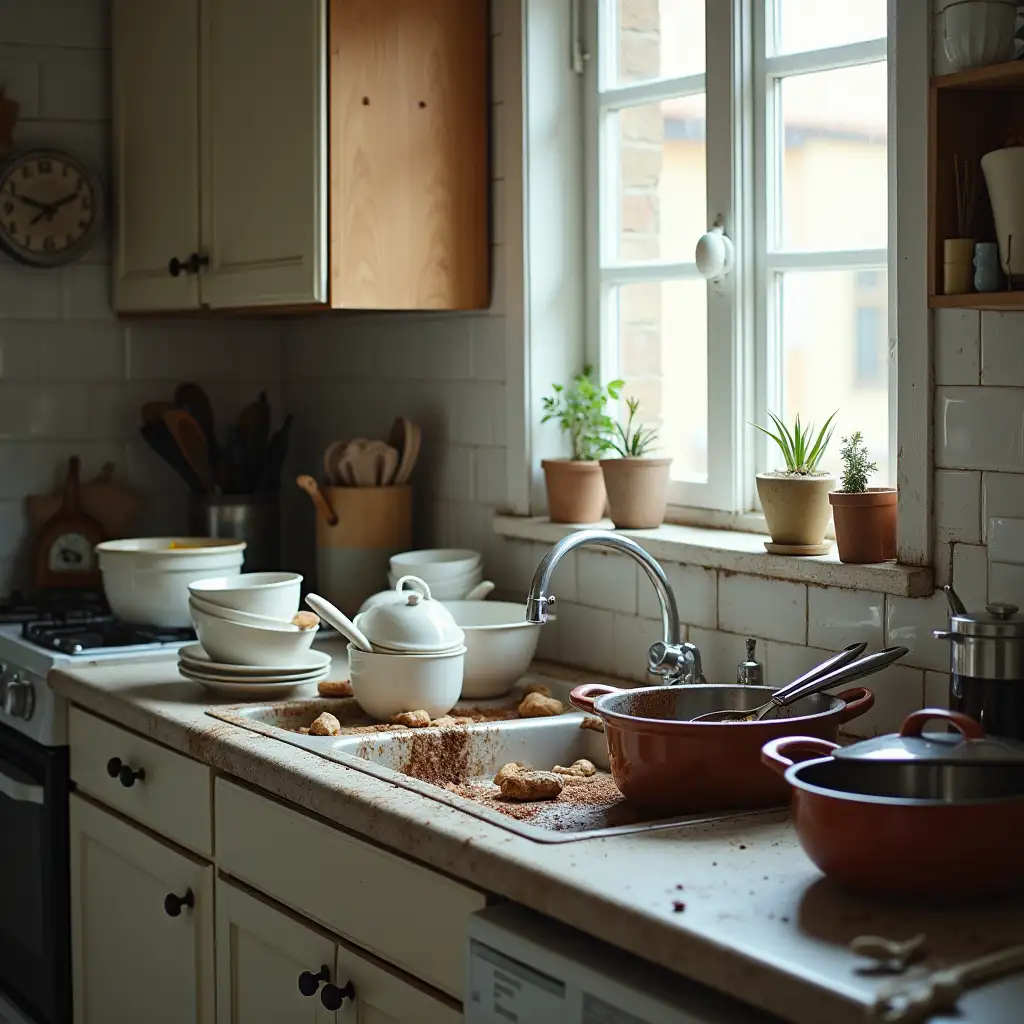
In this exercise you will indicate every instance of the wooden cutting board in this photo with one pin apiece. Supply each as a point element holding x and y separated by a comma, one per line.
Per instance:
<point>113,504</point>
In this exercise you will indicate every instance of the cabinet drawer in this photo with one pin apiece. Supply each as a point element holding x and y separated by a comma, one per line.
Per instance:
<point>172,796</point>
<point>374,898</point>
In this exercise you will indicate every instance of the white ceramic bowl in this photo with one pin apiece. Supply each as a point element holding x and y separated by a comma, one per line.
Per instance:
<point>234,643</point>
<point>146,580</point>
<point>500,644</point>
<point>246,618</point>
<point>385,685</point>
<point>448,590</point>
<point>261,593</point>
<point>436,564</point>
<point>415,625</point>
<point>978,32</point>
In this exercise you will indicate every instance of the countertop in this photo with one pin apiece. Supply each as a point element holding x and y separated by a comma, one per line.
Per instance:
<point>759,921</point>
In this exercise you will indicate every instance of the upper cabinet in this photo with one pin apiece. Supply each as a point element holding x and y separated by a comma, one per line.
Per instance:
<point>310,154</point>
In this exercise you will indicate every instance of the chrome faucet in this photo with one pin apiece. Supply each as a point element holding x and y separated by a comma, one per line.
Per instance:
<point>674,661</point>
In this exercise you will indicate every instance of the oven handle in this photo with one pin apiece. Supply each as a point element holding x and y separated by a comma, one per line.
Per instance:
<point>21,792</point>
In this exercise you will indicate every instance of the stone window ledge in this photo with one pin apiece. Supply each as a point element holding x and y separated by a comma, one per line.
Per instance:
<point>734,551</point>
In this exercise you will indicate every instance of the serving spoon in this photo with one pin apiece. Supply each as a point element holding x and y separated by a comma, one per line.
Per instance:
<point>340,621</point>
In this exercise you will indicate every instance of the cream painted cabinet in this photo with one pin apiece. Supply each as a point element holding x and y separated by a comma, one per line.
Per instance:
<point>142,925</point>
<point>268,961</point>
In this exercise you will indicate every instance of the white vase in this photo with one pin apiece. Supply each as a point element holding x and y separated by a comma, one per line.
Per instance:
<point>979,32</point>
<point>1004,178</point>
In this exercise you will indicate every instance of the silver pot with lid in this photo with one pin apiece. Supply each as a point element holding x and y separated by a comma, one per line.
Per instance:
<point>987,665</point>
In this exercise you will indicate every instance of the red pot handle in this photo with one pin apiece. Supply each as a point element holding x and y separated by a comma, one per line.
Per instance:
<point>582,697</point>
<point>859,701</point>
<point>773,753</point>
<point>913,724</point>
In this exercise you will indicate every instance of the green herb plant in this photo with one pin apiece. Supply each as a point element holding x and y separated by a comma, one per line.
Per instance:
<point>579,411</point>
<point>800,447</point>
<point>630,442</point>
<point>857,465</point>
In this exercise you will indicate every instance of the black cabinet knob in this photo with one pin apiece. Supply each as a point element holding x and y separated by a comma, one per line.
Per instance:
<point>192,265</point>
<point>332,997</point>
<point>117,769</point>
<point>310,982</point>
<point>173,903</point>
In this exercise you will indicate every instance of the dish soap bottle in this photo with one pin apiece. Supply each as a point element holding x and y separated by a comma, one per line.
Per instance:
<point>750,672</point>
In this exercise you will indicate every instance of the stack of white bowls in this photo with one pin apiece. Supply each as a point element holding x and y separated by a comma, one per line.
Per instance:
<point>451,573</point>
<point>247,633</point>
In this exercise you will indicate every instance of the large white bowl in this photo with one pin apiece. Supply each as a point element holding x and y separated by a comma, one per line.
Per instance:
<point>978,32</point>
<point>436,564</point>
<point>245,618</point>
<point>234,643</point>
<point>500,644</point>
<point>261,593</point>
<point>385,685</point>
<point>448,590</point>
<point>146,580</point>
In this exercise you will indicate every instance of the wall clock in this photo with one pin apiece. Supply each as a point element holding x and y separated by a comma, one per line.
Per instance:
<point>50,207</point>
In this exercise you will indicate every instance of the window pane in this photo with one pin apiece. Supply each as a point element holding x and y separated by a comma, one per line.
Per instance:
<point>815,24</point>
<point>835,351</point>
<point>663,357</point>
<point>659,39</point>
<point>662,202</point>
<point>834,171</point>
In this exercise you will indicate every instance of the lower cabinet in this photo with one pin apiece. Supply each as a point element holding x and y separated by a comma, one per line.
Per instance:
<point>274,969</point>
<point>142,925</point>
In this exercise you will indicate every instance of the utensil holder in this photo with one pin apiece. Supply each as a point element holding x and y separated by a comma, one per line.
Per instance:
<point>352,555</point>
<point>256,519</point>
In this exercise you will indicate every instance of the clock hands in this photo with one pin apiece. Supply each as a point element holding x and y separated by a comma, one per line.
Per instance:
<point>48,210</point>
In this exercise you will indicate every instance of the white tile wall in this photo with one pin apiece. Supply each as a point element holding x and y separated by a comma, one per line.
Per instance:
<point>761,607</point>
<point>957,346</point>
<point>837,617</point>
<point>1002,349</point>
<point>979,428</point>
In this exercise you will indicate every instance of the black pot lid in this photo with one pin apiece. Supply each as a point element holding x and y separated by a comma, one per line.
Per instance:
<point>967,745</point>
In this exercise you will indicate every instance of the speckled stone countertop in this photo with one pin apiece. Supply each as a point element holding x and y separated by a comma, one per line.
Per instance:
<point>736,905</point>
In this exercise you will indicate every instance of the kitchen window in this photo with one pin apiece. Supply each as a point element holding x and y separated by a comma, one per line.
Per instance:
<point>771,117</point>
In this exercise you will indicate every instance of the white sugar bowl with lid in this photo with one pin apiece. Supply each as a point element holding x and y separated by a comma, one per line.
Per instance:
<point>411,623</point>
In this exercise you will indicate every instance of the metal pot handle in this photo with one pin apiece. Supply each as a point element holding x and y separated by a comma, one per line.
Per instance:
<point>582,697</point>
<point>913,724</point>
<point>859,701</point>
<point>773,753</point>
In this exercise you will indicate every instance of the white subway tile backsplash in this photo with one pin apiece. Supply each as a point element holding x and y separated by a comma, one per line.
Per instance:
<point>1002,349</point>
<point>936,689</point>
<point>606,581</point>
<point>455,475</point>
<point>13,527</point>
<point>20,71</point>
<point>1002,497</point>
<point>491,486</point>
<point>957,346</point>
<point>979,428</point>
<point>898,691</point>
<point>721,653</point>
<point>29,294</point>
<point>909,623</point>
<point>1006,583</point>
<point>790,661</point>
<point>762,607</point>
<point>970,574</point>
<point>958,505</point>
<point>837,617</point>
<point>1006,540</point>
<point>695,589</point>
<point>489,348</point>
<point>586,637</point>
<point>633,638</point>
<point>55,23</point>
<point>75,87</point>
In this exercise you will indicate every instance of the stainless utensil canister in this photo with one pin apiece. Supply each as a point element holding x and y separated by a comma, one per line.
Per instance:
<point>252,518</point>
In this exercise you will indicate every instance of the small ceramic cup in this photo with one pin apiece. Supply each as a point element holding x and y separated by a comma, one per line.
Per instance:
<point>988,274</point>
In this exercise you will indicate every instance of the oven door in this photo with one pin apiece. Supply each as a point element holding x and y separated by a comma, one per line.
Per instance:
<point>35,961</point>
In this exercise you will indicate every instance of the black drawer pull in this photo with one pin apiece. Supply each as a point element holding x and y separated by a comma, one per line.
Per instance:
<point>173,903</point>
<point>332,997</point>
<point>176,267</point>
<point>117,769</point>
<point>309,982</point>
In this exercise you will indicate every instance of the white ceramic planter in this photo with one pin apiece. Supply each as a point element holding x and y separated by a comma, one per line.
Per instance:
<point>978,32</point>
<point>1004,178</point>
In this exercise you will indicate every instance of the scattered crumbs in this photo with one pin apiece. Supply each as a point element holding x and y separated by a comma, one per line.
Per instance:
<point>766,878</point>
<point>742,847</point>
<point>784,920</point>
<point>714,863</point>
<point>678,907</point>
<point>679,887</point>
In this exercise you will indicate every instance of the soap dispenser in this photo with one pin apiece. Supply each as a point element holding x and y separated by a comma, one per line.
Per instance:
<point>750,672</point>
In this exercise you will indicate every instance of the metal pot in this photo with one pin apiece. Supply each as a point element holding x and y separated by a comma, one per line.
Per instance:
<point>940,817</point>
<point>662,760</point>
<point>987,665</point>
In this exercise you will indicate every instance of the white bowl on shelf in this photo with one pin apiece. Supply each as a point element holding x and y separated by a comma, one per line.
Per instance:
<point>976,33</point>
<point>260,593</point>
<point>385,685</point>
<point>448,590</point>
<point>436,564</point>
<point>235,643</point>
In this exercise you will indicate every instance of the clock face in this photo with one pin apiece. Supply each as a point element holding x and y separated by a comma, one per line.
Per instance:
<point>49,208</point>
<point>70,552</point>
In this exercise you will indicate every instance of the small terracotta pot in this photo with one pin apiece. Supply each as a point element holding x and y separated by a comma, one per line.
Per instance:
<point>795,507</point>
<point>576,491</point>
<point>637,491</point>
<point>865,524</point>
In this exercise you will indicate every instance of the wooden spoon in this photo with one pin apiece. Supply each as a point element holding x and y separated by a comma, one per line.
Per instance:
<point>320,502</point>
<point>153,412</point>
<point>191,441</point>
<point>409,448</point>
<point>387,464</point>
<point>192,398</point>
<point>332,454</point>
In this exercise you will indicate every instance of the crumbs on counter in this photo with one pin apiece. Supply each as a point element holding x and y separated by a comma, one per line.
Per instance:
<point>678,906</point>
<point>325,724</point>
<point>335,688</point>
<point>594,724</point>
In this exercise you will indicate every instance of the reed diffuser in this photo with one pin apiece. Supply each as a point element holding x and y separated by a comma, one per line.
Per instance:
<point>958,253</point>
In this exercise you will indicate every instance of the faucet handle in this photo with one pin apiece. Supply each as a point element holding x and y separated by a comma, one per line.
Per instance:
<point>675,663</point>
<point>537,607</point>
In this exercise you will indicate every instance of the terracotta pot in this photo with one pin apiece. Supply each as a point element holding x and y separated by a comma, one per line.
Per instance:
<point>860,833</point>
<point>637,491</point>
<point>663,761</point>
<point>865,524</point>
<point>575,490</point>
<point>795,507</point>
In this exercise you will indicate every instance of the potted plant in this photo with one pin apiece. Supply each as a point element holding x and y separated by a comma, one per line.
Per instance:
<point>865,516</point>
<point>637,485</point>
<point>795,500</point>
<point>575,485</point>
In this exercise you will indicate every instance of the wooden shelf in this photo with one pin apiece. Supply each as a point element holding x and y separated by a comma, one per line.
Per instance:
<point>978,300</point>
<point>1009,75</point>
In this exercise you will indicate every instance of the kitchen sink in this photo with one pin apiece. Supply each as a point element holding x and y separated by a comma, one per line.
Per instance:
<point>455,765</point>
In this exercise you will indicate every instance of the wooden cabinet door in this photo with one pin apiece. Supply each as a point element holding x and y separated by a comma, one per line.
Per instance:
<point>156,151</point>
<point>261,954</point>
<point>132,960</point>
<point>264,158</point>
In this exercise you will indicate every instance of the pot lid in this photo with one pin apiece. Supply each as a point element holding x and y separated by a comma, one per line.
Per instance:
<point>412,622</point>
<point>997,620</point>
<point>967,745</point>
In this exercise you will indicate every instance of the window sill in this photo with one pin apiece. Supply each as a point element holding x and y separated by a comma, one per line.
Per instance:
<point>734,551</point>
